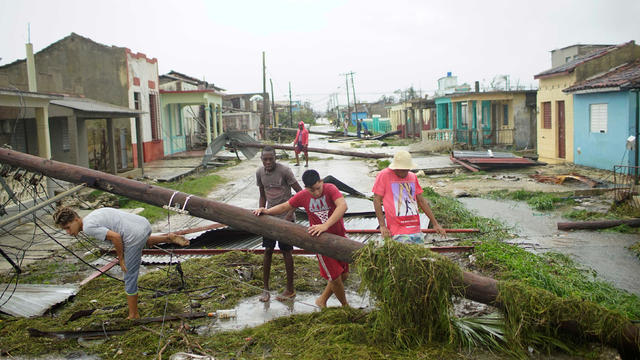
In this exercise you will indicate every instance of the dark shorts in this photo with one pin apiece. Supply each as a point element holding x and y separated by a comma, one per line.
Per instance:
<point>271,244</point>
<point>300,148</point>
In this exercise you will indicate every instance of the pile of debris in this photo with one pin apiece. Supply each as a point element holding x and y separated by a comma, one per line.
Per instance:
<point>560,179</point>
<point>486,160</point>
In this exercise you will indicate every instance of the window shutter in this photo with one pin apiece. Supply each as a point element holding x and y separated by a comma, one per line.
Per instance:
<point>598,115</point>
<point>546,114</point>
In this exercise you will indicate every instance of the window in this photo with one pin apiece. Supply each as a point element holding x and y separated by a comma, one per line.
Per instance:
<point>463,114</point>
<point>153,112</point>
<point>505,113</point>
<point>546,115</point>
<point>598,118</point>
<point>136,101</point>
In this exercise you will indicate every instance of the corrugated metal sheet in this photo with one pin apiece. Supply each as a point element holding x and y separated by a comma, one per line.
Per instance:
<point>482,154</point>
<point>226,238</point>
<point>30,300</point>
<point>165,259</point>
<point>89,105</point>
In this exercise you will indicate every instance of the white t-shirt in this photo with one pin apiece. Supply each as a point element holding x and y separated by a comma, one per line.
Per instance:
<point>132,228</point>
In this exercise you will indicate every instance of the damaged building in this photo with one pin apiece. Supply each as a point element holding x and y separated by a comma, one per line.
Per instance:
<point>105,88</point>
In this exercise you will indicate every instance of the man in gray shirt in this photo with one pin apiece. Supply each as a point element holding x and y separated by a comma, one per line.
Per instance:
<point>275,181</point>
<point>128,232</point>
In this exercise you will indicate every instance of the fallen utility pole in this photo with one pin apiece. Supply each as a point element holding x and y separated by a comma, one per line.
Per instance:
<point>475,287</point>
<point>317,150</point>
<point>238,218</point>
<point>598,224</point>
<point>426,231</point>
<point>294,131</point>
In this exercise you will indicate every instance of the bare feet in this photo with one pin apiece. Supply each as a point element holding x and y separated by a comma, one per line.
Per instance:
<point>178,240</point>
<point>133,317</point>
<point>286,295</point>
<point>265,296</point>
<point>320,304</point>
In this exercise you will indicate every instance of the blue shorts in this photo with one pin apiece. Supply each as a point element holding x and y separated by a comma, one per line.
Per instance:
<point>417,238</point>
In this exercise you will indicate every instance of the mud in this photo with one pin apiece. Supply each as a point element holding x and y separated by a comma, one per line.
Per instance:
<point>605,252</point>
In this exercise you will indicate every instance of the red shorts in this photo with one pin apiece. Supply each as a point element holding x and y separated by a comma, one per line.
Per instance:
<point>331,268</point>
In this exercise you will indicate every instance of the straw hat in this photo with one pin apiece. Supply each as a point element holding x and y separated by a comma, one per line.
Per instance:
<point>402,161</point>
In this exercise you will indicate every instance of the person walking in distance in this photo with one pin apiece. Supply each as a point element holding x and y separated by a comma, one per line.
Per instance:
<point>301,144</point>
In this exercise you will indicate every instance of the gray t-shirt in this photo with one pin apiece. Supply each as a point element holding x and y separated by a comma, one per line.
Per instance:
<point>276,183</point>
<point>133,228</point>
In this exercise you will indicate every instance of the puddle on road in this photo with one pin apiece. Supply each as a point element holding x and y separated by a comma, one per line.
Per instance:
<point>605,252</point>
<point>252,312</point>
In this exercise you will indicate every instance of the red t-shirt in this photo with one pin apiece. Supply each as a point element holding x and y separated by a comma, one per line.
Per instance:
<point>399,201</point>
<point>320,210</point>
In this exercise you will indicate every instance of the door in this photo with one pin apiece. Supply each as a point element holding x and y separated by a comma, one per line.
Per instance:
<point>561,131</point>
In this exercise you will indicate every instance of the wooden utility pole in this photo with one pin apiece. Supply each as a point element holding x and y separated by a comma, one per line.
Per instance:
<point>290,107</point>
<point>273,104</point>
<point>346,81</point>
<point>355,103</point>
<point>265,98</point>
<point>317,150</point>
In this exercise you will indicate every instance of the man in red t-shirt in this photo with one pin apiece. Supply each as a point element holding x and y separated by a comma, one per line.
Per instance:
<point>325,207</point>
<point>301,143</point>
<point>397,189</point>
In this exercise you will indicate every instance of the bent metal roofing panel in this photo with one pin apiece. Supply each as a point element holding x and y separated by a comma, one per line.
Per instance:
<point>28,300</point>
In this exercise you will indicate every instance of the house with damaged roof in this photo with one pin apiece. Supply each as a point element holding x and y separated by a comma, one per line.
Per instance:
<point>106,88</point>
<point>555,107</point>
<point>191,112</point>
<point>606,114</point>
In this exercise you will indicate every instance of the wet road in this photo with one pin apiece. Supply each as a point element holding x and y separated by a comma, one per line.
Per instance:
<point>605,252</point>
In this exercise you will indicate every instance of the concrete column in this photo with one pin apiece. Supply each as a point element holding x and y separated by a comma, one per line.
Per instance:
<point>44,138</point>
<point>111,145</point>
<point>219,114</point>
<point>214,118</point>
<point>207,121</point>
<point>139,145</point>
<point>82,141</point>
<point>31,68</point>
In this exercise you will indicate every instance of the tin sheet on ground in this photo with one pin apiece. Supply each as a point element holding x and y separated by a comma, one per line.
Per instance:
<point>28,300</point>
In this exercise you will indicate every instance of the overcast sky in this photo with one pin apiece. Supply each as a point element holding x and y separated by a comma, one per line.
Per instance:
<point>388,44</point>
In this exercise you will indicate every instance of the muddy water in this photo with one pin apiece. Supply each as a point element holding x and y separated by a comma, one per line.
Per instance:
<point>604,252</point>
<point>251,312</point>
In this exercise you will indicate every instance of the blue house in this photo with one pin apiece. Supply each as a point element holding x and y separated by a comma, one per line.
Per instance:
<point>606,114</point>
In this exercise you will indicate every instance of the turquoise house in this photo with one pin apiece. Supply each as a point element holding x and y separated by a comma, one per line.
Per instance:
<point>191,112</point>
<point>444,111</point>
<point>606,114</point>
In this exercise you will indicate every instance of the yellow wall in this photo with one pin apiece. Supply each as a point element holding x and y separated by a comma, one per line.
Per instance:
<point>550,89</point>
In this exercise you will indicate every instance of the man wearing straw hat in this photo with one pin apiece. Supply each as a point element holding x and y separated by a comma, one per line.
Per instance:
<point>397,189</point>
